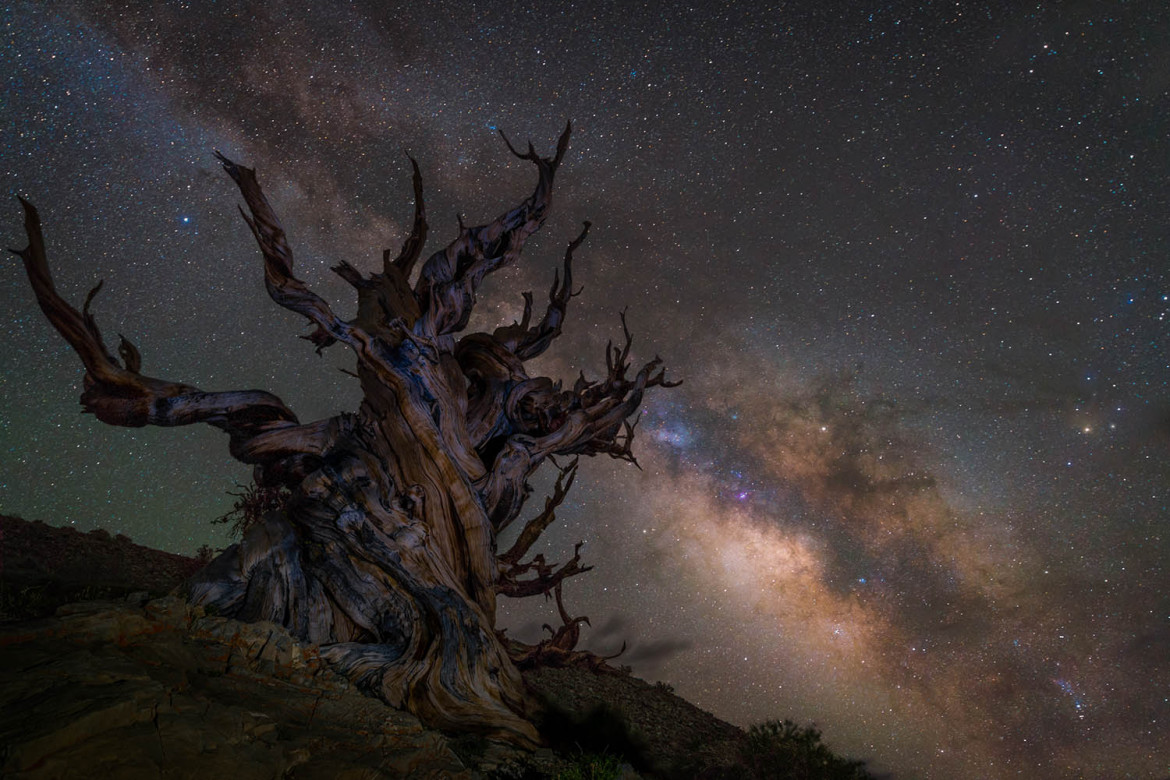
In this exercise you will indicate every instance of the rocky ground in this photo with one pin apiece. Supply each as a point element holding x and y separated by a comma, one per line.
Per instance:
<point>102,674</point>
<point>42,567</point>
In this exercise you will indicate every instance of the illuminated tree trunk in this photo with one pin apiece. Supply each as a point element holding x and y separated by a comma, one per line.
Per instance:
<point>385,554</point>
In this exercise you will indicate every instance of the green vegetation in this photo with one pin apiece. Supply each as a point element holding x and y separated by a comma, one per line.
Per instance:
<point>782,750</point>
<point>592,766</point>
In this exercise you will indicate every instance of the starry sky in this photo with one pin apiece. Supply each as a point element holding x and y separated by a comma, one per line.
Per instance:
<point>910,260</point>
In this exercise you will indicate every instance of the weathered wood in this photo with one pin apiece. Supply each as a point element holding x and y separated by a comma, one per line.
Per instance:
<point>559,649</point>
<point>385,551</point>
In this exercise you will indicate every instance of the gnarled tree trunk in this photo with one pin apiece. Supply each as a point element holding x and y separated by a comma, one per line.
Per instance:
<point>385,554</point>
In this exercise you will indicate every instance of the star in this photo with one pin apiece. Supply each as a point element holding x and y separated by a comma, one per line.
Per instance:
<point>908,261</point>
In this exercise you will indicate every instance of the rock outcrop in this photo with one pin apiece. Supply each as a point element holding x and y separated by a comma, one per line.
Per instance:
<point>103,675</point>
<point>156,688</point>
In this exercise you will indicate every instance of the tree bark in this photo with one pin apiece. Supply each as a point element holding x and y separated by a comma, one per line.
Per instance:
<point>385,553</point>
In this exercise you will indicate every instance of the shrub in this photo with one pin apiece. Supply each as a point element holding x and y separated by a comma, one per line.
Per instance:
<point>592,766</point>
<point>603,731</point>
<point>250,507</point>
<point>782,750</point>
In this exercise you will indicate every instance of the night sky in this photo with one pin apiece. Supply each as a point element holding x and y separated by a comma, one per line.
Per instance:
<point>910,261</point>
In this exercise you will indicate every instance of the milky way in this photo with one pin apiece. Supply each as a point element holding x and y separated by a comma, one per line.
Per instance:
<point>910,261</point>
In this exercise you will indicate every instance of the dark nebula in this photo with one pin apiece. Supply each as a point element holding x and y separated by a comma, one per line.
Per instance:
<point>909,258</point>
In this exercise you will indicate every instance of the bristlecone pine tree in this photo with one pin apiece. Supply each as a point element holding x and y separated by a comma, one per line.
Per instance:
<point>385,553</point>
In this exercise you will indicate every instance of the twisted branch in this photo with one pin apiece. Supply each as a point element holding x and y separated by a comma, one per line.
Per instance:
<point>119,394</point>
<point>527,343</point>
<point>547,576</point>
<point>450,278</point>
<point>284,288</point>
<point>537,525</point>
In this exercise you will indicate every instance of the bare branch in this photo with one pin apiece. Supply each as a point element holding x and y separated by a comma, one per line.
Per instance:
<point>537,525</point>
<point>78,329</point>
<point>284,288</point>
<point>121,395</point>
<point>450,278</point>
<point>568,635</point>
<point>562,146</point>
<point>413,246</point>
<point>620,448</point>
<point>596,414</point>
<point>546,420</point>
<point>493,364</point>
<point>528,342</point>
<point>376,533</point>
<point>558,649</point>
<point>130,355</point>
<point>352,275</point>
<point>546,576</point>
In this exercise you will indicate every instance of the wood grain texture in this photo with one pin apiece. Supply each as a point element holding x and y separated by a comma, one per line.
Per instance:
<point>385,553</point>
